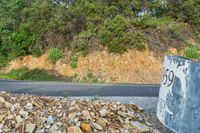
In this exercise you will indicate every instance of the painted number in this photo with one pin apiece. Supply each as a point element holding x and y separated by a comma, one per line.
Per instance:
<point>167,77</point>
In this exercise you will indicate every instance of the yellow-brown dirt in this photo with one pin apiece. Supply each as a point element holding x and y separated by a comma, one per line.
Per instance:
<point>130,67</point>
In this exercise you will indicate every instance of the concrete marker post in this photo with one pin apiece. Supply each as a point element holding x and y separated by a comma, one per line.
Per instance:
<point>179,97</point>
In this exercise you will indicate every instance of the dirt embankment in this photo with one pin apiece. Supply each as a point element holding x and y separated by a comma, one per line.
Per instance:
<point>131,67</point>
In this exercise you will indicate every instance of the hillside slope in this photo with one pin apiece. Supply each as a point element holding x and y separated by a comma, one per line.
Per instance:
<point>131,67</point>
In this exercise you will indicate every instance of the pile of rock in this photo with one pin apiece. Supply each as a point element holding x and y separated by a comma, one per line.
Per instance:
<point>26,113</point>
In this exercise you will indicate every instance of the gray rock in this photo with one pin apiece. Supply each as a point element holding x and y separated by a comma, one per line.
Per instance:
<point>50,119</point>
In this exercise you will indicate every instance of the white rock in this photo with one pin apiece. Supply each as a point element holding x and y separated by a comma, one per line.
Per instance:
<point>29,106</point>
<point>97,126</point>
<point>23,113</point>
<point>103,112</point>
<point>50,119</point>
<point>2,100</point>
<point>15,106</point>
<point>47,126</point>
<point>54,128</point>
<point>19,119</point>
<point>30,128</point>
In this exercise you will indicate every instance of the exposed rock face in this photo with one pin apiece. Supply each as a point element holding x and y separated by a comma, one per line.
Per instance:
<point>130,67</point>
<point>64,115</point>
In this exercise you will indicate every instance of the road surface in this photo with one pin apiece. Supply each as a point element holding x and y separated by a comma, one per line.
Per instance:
<point>52,88</point>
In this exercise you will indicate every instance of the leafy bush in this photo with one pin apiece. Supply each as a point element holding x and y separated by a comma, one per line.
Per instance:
<point>117,33</point>
<point>112,34</point>
<point>55,54</point>
<point>192,51</point>
<point>74,61</point>
<point>148,21</point>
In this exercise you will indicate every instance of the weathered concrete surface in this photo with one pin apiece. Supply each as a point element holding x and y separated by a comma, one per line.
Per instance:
<point>179,96</point>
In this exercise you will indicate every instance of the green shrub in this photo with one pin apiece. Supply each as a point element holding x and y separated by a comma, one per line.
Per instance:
<point>36,52</point>
<point>136,38</point>
<point>192,51</point>
<point>117,33</point>
<point>74,61</point>
<point>55,54</point>
<point>26,74</point>
<point>148,21</point>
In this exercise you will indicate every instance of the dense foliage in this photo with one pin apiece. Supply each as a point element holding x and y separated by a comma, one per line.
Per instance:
<point>31,27</point>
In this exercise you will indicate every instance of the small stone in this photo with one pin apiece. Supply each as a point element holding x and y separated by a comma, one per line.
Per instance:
<point>139,126</point>
<point>10,116</point>
<point>2,116</point>
<point>72,115</point>
<point>30,128</point>
<point>15,106</point>
<point>140,108</point>
<point>103,112</point>
<point>8,105</point>
<point>42,120</point>
<point>86,115</point>
<point>29,106</point>
<point>50,119</point>
<point>47,126</point>
<point>19,119</point>
<point>97,126</point>
<point>121,113</point>
<point>120,119</point>
<point>74,129</point>
<point>102,122</point>
<point>54,128</point>
<point>23,113</point>
<point>2,100</point>
<point>86,127</point>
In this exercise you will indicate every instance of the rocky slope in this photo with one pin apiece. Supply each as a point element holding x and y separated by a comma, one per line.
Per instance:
<point>131,67</point>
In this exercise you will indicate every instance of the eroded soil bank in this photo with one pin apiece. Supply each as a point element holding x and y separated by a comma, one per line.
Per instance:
<point>131,67</point>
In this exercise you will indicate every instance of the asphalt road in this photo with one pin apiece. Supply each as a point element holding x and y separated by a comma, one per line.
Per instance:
<point>78,89</point>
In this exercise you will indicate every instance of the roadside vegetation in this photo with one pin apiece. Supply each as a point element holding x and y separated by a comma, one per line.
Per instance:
<point>90,78</point>
<point>55,54</point>
<point>32,27</point>
<point>74,61</point>
<point>192,51</point>
<point>35,74</point>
